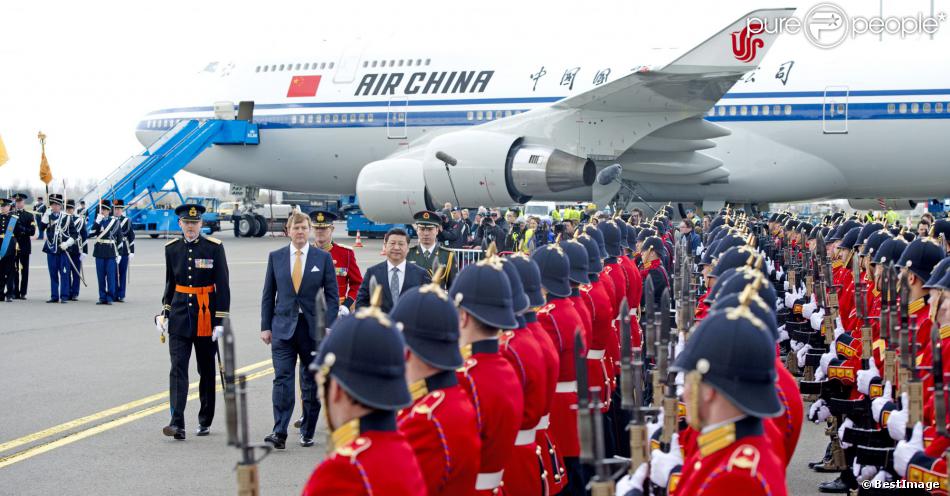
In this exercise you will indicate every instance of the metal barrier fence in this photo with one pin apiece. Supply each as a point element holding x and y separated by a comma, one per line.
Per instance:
<point>466,256</point>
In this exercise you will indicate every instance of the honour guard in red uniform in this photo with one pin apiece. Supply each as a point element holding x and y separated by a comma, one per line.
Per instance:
<point>348,275</point>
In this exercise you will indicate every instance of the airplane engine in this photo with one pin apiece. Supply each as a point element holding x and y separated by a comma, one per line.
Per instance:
<point>391,190</point>
<point>496,169</point>
<point>875,204</point>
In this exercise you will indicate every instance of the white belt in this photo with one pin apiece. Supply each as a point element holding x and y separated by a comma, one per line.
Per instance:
<point>525,437</point>
<point>566,387</point>
<point>595,354</point>
<point>488,480</point>
<point>543,423</point>
<point>105,241</point>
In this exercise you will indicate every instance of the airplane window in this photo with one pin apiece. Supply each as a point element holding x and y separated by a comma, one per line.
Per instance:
<point>293,119</point>
<point>938,107</point>
<point>480,115</point>
<point>926,107</point>
<point>374,63</point>
<point>402,117</point>
<point>890,108</point>
<point>401,62</point>
<point>331,65</point>
<point>488,115</point>
<point>306,66</point>
<point>310,119</point>
<point>470,115</point>
<point>365,63</point>
<point>722,111</point>
<point>428,60</point>
<point>323,65</point>
<point>343,119</point>
<point>352,117</point>
<point>732,110</point>
<point>281,66</point>
<point>754,109</point>
<point>369,118</point>
<point>408,62</point>
<point>418,61</point>
<point>392,63</point>
<point>273,68</point>
<point>712,111</point>
<point>776,109</point>
<point>336,118</point>
<point>788,110</point>
<point>297,67</point>
<point>765,110</point>
<point>507,113</point>
<point>841,108</point>
<point>743,110</point>
<point>914,108</point>
<point>902,108</point>
<point>318,118</point>
<point>258,69</point>
<point>265,68</point>
<point>362,117</point>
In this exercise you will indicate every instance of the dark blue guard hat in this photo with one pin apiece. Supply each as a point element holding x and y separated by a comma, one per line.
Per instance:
<point>430,326</point>
<point>555,270</point>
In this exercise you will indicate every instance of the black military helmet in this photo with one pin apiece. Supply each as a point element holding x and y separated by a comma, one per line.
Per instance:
<point>482,289</point>
<point>594,262</point>
<point>890,250</point>
<point>530,277</point>
<point>759,308</point>
<point>737,256</point>
<point>598,238</point>
<point>577,257</point>
<point>937,274</point>
<point>519,300</point>
<point>866,232</point>
<point>611,238</point>
<point>850,238</point>
<point>430,326</point>
<point>921,256</point>
<point>364,353</point>
<point>734,353</point>
<point>873,243</point>
<point>555,270</point>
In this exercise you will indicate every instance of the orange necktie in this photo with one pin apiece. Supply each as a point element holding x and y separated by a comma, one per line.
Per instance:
<point>297,274</point>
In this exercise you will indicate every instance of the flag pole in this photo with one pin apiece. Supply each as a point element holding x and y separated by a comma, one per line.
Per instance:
<point>44,173</point>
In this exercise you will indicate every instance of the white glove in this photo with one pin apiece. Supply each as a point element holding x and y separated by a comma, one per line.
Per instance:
<point>847,424</point>
<point>652,427</point>
<point>99,218</point>
<point>818,412</point>
<point>808,309</point>
<point>878,404</point>
<point>45,217</point>
<point>838,330</point>
<point>161,324</point>
<point>863,472</point>
<point>800,354</point>
<point>118,260</point>
<point>680,380</point>
<point>838,323</point>
<point>633,481</point>
<point>897,421</point>
<point>780,273</point>
<point>217,332</point>
<point>865,377</point>
<point>782,334</point>
<point>63,246</point>
<point>342,311</point>
<point>779,304</point>
<point>661,464</point>
<point>680,345</point>
<point>131,256</point>
<point>906,450</point>
<point>820,375</point>
<point>883,476</point>
<point>816,319</point>
<point>789,297</point>
<point>82,256</point>
<point>826,359</point>
<point>769,266</point>
<point>796,345</point>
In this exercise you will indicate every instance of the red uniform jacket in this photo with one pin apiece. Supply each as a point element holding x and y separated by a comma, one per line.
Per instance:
<point>440,426</point>
<point>551,458</point>
<point>495,391</point>
<point>378,461</point>
<point>561,321</point>
<point>348,275</point>
<point>634,282</point>
<point>599,366</point>
<point>523,473</point>
<point>733,459</point>
<point>789,423</point>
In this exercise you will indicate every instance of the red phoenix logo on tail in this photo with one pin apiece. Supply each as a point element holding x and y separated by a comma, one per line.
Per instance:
<point>745,43</point>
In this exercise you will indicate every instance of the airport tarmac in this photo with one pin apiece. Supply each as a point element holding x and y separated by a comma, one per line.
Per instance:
<point>85,390</point>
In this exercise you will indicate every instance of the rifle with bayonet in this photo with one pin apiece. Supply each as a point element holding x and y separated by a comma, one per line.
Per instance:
<point>590,425</point>
<point>909,380</point>
<point>236,410</point>
<point>667,379</point>
<point>632,391</point>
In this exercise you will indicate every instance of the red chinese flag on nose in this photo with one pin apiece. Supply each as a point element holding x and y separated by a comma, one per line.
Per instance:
<point>303,86</point>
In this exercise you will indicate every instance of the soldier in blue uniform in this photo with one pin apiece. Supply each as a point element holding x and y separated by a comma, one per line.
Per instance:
<point>126,247</point>
<point>9,227</point>
<point>107,233</point>
<point>197,298</point>
<point>78,251</point>
<point>59,236</point>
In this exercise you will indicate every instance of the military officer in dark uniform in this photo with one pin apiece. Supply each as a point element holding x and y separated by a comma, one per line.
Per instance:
<point>78,251</point>
<point>197,297</point>
<point>27,230</point>
<point>9,228</point>
<point>126,247</point>
<point>107,234</point>
<point>428,224</point>
<point>60,236</point>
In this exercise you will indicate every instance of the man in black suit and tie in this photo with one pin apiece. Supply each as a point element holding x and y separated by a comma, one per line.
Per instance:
<point>394,275</point>
<point>295,275</point>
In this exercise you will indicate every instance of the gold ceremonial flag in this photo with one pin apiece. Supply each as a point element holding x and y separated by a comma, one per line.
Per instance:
<point>3,152</point>
<point>46,175</point>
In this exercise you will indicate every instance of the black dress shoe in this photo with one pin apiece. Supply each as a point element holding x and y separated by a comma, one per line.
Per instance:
<point>120,300</point>
<point>203,431</point>
<point>173,431</point>
<point>833,486</point>
<point>21,297</point>
<point>51,301</point>
<point>813,465</point>
<point>9,299</point>
<point>298,422</point>
<point>306,442</point>
<point>64,301</point>
<point>276,441</point>
<point>74,299</point>
<point>103,302</point>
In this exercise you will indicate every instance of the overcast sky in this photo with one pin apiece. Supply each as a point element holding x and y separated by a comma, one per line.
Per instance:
<point>85,72</point>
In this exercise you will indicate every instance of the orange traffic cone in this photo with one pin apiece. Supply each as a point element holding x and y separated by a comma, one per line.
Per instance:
<point>359,241</point>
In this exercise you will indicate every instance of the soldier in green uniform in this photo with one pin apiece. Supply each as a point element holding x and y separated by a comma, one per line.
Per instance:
<point>427,225</point>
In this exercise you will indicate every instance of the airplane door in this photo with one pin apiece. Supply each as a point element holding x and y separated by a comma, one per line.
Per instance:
<point>834,110</point>
<point>346,69</point>
<point>396,118</point>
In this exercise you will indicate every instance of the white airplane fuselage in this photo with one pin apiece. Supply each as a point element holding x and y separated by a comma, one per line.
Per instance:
<point>869,119</point>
